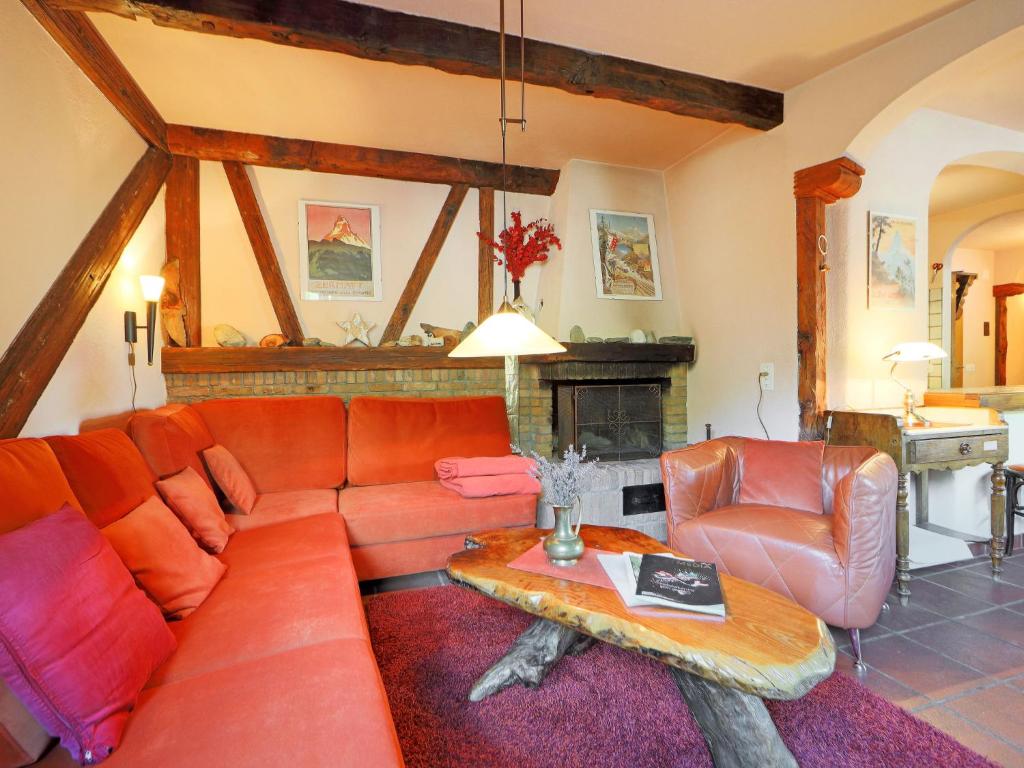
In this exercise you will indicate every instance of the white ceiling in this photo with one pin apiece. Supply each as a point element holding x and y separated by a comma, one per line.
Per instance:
<point>962,186</point>
<point>1002,234</point>
<point>258,87</point>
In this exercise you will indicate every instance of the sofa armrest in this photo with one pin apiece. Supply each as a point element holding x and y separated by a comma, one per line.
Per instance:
<point>698,479</point>
<point>864,515</point>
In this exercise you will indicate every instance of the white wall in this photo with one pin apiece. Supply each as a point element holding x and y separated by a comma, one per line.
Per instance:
<point>979,358</point>
<point>65,151</point>
<point>1009,265</point>
<point>568,283</point>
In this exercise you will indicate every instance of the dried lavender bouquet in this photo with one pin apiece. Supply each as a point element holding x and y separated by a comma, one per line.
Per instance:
<point>563,479</point>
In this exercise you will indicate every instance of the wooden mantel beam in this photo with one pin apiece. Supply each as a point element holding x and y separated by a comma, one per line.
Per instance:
<point>36,352</point>
<point>325,157</point>
<point>83,43</point>
<point>381,35</point>
<point>815,188</point>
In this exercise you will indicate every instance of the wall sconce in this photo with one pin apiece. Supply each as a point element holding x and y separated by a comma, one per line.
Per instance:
<point>152,287</point>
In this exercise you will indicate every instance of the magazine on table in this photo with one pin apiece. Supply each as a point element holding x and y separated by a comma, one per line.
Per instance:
<point>667,581</point>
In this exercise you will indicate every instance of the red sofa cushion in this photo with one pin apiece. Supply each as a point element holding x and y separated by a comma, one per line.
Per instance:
<point>380,514</point>
<point>397,440</point>
<point>164,558</point>
<point>782,474</point>
<point>283,443</point>
<point>108,474</point>
<point>193,502</point>
<point>232,480</point>
<point>79,639</point>
<point>171,438</point>
<point>32,484</point>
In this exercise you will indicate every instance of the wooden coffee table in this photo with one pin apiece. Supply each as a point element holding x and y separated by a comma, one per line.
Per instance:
<point>767,647</point>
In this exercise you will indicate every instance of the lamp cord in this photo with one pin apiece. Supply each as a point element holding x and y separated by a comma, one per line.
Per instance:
<point>760,399</point>
<point>131,369</point>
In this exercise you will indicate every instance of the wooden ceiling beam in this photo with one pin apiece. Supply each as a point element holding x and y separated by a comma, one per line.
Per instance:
<point>37,351</point>
<point>381,35</point>
<point>81,41</point>
<point>351,160</point>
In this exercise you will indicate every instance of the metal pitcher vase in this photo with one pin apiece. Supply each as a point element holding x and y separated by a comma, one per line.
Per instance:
<point>563,545</point>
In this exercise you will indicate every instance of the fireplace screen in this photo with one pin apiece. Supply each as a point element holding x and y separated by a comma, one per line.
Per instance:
<point>614,421</point>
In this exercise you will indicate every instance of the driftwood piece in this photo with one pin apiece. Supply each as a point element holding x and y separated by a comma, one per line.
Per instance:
<point>530,658</point>
<point>450,336</point>
<point>736,725</point>
<point>172,309</point>
<point>276,340</point>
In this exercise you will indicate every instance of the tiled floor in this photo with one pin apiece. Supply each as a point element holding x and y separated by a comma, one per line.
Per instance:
<point>954,656</point>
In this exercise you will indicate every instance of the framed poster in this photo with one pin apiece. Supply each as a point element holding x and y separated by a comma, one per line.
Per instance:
<point>339,251</point>
<point>625,256</point>
<point>892,261</point>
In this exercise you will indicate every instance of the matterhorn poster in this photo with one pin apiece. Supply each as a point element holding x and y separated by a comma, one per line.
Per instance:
<point>339,251</point>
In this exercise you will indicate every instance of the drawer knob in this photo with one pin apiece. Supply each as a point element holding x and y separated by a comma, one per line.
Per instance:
<point>965,449</point>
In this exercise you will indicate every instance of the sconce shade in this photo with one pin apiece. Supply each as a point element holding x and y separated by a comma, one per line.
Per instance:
<point>505,333</point>
<point>152,287</point>
<point>915,351</point>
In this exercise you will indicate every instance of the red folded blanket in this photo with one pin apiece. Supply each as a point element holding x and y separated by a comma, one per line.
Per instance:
<point>457,466</point>
<point>492,485</point>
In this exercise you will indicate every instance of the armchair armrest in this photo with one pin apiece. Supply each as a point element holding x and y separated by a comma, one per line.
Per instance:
<point>864,516</point>
<point>699,479</point>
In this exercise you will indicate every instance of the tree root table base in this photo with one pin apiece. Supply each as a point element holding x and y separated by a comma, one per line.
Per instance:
<point>736,725</point>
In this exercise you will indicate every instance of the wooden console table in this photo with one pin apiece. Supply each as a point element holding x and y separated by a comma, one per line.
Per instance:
<point>953,439</point>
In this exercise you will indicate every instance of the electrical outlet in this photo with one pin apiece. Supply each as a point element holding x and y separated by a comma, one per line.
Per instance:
<point>767,374</point>
<point>970,368</point>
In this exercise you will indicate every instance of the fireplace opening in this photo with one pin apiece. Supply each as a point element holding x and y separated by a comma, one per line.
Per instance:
<point>616,420</point>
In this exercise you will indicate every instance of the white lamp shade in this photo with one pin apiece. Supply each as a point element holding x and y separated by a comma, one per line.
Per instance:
<point>915,351</point>
<point>504,333</point>
<point>152,287</point>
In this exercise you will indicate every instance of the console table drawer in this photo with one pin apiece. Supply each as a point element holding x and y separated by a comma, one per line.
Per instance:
<point>941,450</point>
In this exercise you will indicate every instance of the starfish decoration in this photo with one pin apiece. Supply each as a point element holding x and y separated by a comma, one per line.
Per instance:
<point>356,329</point>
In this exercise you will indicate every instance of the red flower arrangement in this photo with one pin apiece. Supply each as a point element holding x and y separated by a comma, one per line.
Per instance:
<point>522,246</point>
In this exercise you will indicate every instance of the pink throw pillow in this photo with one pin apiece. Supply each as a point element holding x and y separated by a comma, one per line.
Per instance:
<point>165,560</point>
<point>231,478</point>
<point>79,640</point>
<point>195,505</point>
<point>783,474</point>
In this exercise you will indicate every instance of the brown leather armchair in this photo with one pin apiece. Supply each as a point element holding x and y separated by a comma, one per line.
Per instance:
<point>839,565</point>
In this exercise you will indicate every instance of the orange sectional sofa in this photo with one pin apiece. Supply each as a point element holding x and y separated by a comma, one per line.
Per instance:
<point>275,667</point>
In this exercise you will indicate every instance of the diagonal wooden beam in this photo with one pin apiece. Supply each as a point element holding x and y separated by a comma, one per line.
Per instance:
<point>36,352</point>
<point>263,249</point>
<point>485,257</point>
<point>181,204</point>
<point>425,263</point>
<point>325,157</point>
<point>380,35</point>
<point>83,43</point>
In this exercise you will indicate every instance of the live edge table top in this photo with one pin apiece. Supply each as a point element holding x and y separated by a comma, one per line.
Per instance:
<point>767,645</point>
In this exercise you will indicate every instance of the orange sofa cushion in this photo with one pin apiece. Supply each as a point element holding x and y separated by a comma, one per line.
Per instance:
<point>31,483</point>
<point>232,480</point>
<point>783,474</point>
<point>108,474</point>
<point>274,508</point>
<point>171,438</point>
<point>195,505</point>
<point>397,440</point>
<point>283,443</point>
<point>164,559</point>
<point>380,514</point>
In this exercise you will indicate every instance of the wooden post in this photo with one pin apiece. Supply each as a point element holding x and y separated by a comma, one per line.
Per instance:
<point>425,263</point>
<point>33,357</point>
<point>485,257</point>
<point>263,249</point>
<point>1001,293</point>
<point>814,189</point>
<point>181,205</point>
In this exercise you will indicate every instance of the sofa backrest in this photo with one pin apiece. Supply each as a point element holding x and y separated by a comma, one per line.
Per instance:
<point>397,439</point>
<point>283,443</point>
<point>32,484</point>
<point>106,471</point>
<point>172,438</point>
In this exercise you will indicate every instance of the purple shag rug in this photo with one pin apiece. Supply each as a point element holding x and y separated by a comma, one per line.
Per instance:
<point>605,709</point>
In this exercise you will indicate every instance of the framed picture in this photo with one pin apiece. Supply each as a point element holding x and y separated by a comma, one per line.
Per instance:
<point>892,261</point>
<point>625,256</point>
<point>339,251</point>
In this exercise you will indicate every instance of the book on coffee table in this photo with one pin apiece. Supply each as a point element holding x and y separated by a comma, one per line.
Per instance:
<point>675,582</point>
<point>622,570</point>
